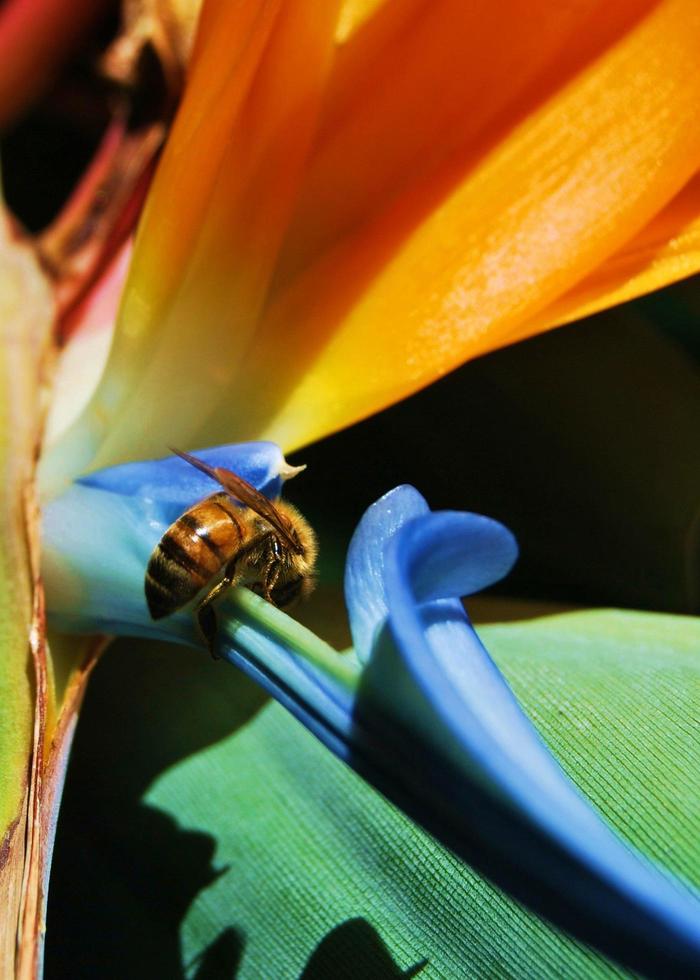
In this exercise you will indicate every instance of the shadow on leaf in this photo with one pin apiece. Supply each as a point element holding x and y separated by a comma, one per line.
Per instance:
<point>124,874</point>
<point>355,949</point>
<point>221,958</point>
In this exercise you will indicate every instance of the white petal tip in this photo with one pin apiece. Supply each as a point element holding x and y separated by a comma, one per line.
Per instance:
<point>287,472</point>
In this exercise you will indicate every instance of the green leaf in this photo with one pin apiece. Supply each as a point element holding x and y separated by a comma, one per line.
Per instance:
<point>25,313</point>
<point>40,691</point>
<point>216,835</point>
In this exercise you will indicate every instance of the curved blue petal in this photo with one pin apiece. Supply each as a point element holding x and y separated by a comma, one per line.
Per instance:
<point>469,765</point>
<point>364,575</point>
<point>491,554</point>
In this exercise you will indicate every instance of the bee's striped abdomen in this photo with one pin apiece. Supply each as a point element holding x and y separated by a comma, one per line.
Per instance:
<point>190,553</point>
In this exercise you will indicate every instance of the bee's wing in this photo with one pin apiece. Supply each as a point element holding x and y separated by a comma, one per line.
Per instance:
<point>245,493</point>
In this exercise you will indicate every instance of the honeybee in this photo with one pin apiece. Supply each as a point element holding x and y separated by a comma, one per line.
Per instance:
<point>268,547</point>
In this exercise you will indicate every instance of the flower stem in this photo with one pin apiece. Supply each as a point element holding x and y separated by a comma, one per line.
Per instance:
<point>312,680</point>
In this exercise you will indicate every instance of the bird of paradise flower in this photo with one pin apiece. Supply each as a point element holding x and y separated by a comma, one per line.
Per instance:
<point>327,233</point>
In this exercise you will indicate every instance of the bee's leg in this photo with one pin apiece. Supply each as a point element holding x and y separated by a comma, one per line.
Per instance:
<point>206,620</point>
<point>272,568</point>
<point>204,610</point>
<point>271,574</point>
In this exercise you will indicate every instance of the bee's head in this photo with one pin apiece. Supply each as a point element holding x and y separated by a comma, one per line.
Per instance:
<point>303,561</point>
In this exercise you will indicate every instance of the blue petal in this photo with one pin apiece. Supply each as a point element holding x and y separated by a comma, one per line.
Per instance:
<point>364,574</point>
<point>99,535</point>
<point>303,673</point>
<point>169,486</point>
<point>490,555</point>
<point>466,761</point>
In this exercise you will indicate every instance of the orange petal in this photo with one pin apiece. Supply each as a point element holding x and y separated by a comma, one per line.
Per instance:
<point>666,250</point>
<point>440,277</point>
<point>354,14</point>
<point>468,168</point>
<point>201,140</point>
<point>213,225</point>
<point>441,85</point>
